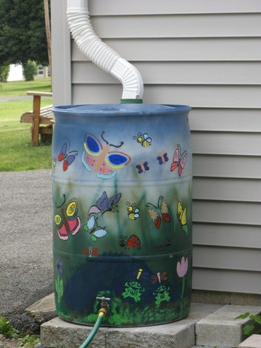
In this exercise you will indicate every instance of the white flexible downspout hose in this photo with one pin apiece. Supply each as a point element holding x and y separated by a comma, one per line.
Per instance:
<point>100,53</point>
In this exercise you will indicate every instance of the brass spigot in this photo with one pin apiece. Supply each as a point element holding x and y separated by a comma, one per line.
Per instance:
<point>104,305</point>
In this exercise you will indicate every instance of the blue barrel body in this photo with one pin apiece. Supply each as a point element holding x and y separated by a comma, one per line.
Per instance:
<point>122,212</point>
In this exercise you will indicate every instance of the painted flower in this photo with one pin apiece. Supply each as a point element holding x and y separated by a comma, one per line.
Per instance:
<point>58,267</point>
<point>182,267</point>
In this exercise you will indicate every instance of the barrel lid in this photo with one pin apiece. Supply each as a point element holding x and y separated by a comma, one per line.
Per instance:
<point>121,109</point>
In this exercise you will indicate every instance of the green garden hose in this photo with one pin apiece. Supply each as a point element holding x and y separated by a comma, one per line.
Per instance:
<point>88,340</point>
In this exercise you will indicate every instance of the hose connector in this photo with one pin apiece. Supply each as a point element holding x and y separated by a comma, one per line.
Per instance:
<point>101,314</point>
<point>104,305</point>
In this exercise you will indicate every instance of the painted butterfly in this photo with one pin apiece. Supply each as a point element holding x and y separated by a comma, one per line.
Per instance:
<point>100,159</point>
<point>179,160</point>
<point>90,251</point>
<point>95,230</point>
<point>182,216</point>
<point>158,213</point>
<point>143,167</point>
<point>66,157</point>
<point>159,277</point>
<point>68,222</point>
<point>104,203</point>
<point>162,157</point>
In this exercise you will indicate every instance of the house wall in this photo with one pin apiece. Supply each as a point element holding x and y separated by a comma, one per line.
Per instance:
<point>15,73</point>
<point>205,54</point>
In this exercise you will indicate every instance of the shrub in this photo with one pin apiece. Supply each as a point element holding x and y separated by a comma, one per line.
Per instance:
<point>29,70</point>
<point>4,72</point>
<point>254,324</point>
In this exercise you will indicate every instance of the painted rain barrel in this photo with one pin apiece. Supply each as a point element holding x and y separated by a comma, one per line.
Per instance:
<point>122,213</point>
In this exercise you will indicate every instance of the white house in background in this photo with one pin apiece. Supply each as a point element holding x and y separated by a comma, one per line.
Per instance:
<point>15,73</point>
<point>208,55</point>
<point>42,71</point>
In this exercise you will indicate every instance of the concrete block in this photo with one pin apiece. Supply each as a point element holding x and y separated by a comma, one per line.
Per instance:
<point>43,310</point>
<point>46,304</point>
<point>60,334</point>
<point>254,341</point>
<point>221,329</point>
<point>163,336</point>
<point>210,347</point>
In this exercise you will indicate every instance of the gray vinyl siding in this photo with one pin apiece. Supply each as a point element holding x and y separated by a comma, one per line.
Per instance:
<point>206,54</point>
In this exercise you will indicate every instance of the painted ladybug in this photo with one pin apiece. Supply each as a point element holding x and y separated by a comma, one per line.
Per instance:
<point>132,242</point>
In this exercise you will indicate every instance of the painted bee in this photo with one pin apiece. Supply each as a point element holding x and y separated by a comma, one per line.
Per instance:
<point>143,139</point>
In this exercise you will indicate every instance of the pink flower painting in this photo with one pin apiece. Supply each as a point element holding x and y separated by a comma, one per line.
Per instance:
<point>182,268</point>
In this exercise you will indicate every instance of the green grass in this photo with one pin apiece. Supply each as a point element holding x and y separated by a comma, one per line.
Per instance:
<point>19,88</point>
<point>6,328</point>
<point>16,151</point>
<point>24,340</point>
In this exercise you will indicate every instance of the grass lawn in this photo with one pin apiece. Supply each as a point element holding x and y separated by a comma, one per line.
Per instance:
<point>16,151</point>
<point>19,88</point>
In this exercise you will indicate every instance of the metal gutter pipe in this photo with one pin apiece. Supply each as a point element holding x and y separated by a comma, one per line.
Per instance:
<point>101,54</point>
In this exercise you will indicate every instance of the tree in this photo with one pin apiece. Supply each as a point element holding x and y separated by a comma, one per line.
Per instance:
<point>4,72</point>
<point>22,32</point>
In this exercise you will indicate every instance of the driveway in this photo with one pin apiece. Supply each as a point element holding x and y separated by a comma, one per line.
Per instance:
<point>26,273</point>
<point>6,99</point>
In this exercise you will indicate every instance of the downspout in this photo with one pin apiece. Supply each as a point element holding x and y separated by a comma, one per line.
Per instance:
<point>101,54</point>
